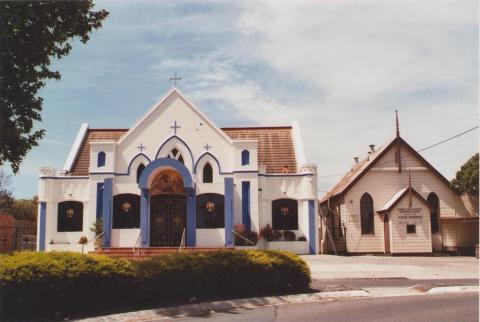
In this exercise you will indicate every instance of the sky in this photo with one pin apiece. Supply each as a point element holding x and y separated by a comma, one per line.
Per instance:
<point>339,68</point>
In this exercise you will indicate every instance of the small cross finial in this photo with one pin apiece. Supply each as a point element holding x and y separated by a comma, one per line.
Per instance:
<point>141,147</point>
<point>207,147</point>
<point>175,127</point>
<point>398,126</point>
<point>175,78</point>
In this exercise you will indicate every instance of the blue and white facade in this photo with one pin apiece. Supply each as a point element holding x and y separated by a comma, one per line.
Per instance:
<point>173,137</point>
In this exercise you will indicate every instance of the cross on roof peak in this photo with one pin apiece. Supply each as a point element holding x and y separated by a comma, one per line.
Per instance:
<point>175,78</point>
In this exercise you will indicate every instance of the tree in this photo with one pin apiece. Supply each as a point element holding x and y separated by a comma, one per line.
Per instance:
<point>6,199</point>
<point>466,180</point>
<point>25,209</point>
<point>31,34</point>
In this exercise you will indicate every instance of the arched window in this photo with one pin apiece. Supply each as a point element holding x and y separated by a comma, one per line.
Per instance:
<point>101,159</point>
<point>433,201</point>
<point>175,154</point>
<point>140,169</point>
<point>245,157</point>
<point>285,214</point>
<point>207,173</point>
<point>210,210</point>
<point>126,211</point>
<point>366,214</point>
<point>70,216</point>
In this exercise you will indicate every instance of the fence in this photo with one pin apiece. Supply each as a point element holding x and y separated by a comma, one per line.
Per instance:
<point>18,238</point>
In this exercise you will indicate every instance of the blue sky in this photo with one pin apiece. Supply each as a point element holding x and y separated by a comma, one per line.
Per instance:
<point>340,68</point>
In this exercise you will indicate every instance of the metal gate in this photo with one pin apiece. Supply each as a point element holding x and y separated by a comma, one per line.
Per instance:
<point>18,238</point>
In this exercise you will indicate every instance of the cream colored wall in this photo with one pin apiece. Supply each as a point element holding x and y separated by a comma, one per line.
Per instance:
<point>421,240</point>
<point>382,182</point>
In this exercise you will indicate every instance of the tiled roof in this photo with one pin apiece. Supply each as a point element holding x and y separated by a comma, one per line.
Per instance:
<point>82,162</point>
<point>275,146</point>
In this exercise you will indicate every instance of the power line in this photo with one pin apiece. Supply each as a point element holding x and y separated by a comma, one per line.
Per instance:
<point>421,150</point>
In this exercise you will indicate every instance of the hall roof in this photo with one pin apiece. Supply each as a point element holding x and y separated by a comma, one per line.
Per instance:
<point>275,146</point>
<point>402,193</point>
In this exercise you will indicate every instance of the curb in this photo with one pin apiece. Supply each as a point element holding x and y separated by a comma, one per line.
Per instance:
<point>203,309</point>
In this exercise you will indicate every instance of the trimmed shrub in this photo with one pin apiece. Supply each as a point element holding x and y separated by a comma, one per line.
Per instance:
<point>37,284</point>
<point>40,283</point>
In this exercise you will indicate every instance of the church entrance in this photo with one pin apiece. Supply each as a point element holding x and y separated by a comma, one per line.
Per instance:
<point>168,214</point>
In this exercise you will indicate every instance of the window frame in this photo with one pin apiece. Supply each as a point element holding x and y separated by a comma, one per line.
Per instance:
<point>363,216</point>
<point>201,203</point>
<point>204,169</point>
<point>245,157</point>
<point>101,159</point>
<point>62,209</point>
<point>410,226</point>
<point>117,204</point>
<point>278,221</point>
<point>434,202</point>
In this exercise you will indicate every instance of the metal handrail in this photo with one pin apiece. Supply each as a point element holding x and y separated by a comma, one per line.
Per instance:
<point>248,240</point>
<point>94,238</point>
<point>137,244</point>
<point>182,242</point>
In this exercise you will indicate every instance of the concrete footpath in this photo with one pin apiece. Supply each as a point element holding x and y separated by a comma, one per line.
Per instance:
<point>250,303</point>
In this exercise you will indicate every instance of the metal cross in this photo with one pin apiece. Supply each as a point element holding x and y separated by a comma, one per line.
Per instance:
<point>175,127</point>
<point>207,147</point>
<point>175,78</point>
<point>141,147</point>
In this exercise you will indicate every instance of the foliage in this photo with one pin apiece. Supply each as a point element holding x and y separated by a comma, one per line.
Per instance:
<point>302,238</point>
<point>277,235</point>
<point>38,284</point>
<point>25,209</point>
<point>83,240</point>
<point>6,198</point>
<point>250,235</point>
<point>267,233</point>
<point>97,228</point>
<point>289,235</point>
<point>466,180</point>
<point>31,34</point>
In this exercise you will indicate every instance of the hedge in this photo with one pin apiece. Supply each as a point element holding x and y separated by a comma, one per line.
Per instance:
<point>42,283</point>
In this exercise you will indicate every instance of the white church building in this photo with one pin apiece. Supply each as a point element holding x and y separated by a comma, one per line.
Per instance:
<point>175,177</point>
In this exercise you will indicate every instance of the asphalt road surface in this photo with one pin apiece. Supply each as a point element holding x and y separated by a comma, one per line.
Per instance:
<point>434,308</point>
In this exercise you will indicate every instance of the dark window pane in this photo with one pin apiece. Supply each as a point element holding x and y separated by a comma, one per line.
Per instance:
<point>101,159</point>
<point>70,216</point>
<point>126,211</point>
<point>411,229</point>
<point>432,199</point>
<point>285,214</point>
<point>207,173</point>
<point>140,169</point>
<point>366,214</point>
<point>174,152</point>
<point>180,159</point>
<point>210,210</point>
<point>245,157</point>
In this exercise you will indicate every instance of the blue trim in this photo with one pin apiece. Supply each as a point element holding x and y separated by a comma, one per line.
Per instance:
<point>145,217</point>
<point>107,211</point>
<point>312,241</point>
<point>165,162</point>
<point>229,212</point>
<point>245,157</point>
<point>42,226</point>
<point>191,239</point>
<point>200,158</point>
<point>245,171</point>
<point>171,138</point>
<point>99,199</point>
<point>246,205</point>
<point>101,157</point>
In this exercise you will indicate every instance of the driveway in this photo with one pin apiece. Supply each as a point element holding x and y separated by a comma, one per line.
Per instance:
<point>371,267</point>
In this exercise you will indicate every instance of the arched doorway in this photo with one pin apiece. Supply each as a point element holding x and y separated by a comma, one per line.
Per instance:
<point>168,211</point>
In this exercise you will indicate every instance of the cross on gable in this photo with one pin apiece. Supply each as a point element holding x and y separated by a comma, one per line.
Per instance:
<point>175,78</point>
<point>175,127</point>
<point>207,147</point>
<point>141,147</point>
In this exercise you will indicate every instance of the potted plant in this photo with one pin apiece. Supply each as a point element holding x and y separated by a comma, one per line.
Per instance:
<point>97,228</point>
<point>277,235</point>
<point>267,233</point>
<point>83,241</point>
<point>289,235</point>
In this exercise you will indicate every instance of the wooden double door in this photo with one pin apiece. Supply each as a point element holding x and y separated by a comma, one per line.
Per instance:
<point>167,220</point>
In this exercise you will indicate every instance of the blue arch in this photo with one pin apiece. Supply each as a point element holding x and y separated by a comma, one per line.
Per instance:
<point>182,141</point>
<point>204,155</point>
<point>165,162</point>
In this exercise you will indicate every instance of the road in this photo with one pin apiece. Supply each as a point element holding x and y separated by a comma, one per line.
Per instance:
<point>438,308</point>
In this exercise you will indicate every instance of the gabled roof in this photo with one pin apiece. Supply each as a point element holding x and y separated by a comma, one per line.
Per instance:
<point>402,193</point>
<point>275,146</point>
<point>360,169</point>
